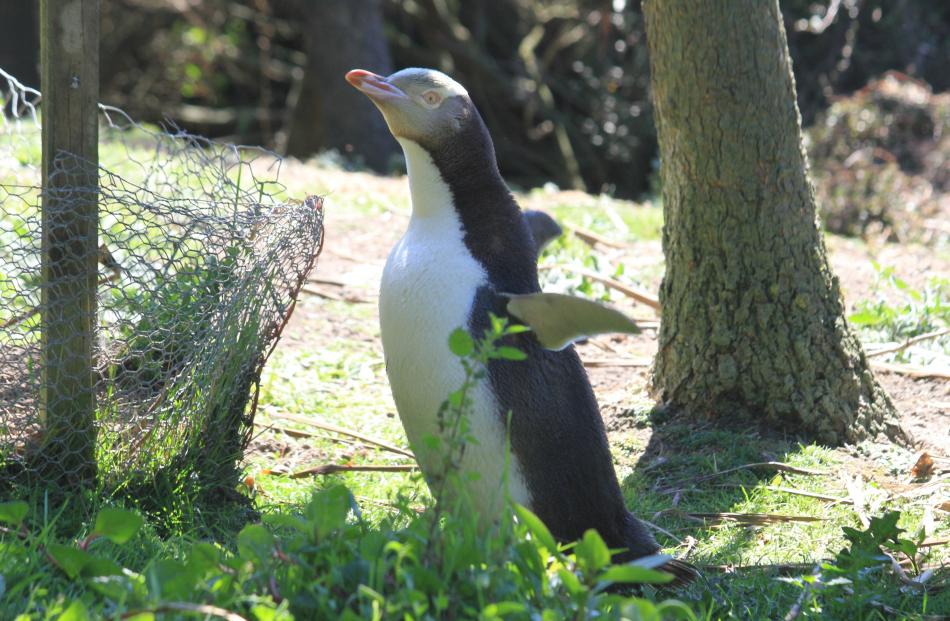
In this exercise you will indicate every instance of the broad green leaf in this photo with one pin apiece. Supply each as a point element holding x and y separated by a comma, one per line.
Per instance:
<point>865,318</point>
<point>328,509</point>
<point>461,343</point>
<point>115,588</point>
<point>675,609</point>
<point>456,398</point>
<point>204,556</point>
<point>255,543</point>
<point>169,579</point>
<point>591,551</point>
<point>501,609</point>
<point>517,328</point>
<point>570,581</point>
<point>511,353</point>
<point>284,520</point>
<point>77,611</point>
<point>632,574</point>
<point>14,512</point>
<point>71,560</point>
<point>263,612</point>
<point>558,320</point>
<point>536,527</point>
<point>97,566</point>
<point>117,525</point>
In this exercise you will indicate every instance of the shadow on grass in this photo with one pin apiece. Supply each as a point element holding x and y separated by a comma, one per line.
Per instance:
<point>687,468</point>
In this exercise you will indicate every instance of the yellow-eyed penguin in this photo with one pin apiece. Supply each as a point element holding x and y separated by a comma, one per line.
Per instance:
<point>468,251</point>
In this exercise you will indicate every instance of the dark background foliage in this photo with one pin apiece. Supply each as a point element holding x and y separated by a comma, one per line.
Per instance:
<point>563,85</point>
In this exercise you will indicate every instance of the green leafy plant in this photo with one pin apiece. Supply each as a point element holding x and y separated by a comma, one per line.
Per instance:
<point>856,573</point>
<point>915,312</point>
<point>326,560</point>
<point>175,314</point>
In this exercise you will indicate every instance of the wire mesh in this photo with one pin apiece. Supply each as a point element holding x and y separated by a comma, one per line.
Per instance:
<point>198,263</point>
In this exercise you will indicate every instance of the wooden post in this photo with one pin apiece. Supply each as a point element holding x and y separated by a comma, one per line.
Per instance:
<point>69,42</point>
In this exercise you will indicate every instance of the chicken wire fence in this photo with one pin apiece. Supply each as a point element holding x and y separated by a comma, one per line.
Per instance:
<point>199,263</point>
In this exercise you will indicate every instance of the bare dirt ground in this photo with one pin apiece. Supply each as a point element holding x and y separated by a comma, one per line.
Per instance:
<point>357,245</point>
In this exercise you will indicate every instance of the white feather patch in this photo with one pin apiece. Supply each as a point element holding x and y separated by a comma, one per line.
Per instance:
<point>427,290</point>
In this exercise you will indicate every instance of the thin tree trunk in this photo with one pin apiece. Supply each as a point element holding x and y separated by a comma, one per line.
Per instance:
<point>753,319</point>
<point>329,113</point>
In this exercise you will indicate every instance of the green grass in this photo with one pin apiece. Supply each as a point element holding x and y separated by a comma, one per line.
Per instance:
<point>386,558</point>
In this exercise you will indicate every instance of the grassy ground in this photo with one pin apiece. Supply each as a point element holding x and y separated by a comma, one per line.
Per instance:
<point>680,475</point>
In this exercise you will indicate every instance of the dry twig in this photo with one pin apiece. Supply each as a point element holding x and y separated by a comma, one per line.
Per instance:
<point>334,468</point>
<point>911,341</point>
<point>593,238</point>
<point>912,370</point>
<point>637,294</point>
<point>766,465</point>
<point>346,432</point>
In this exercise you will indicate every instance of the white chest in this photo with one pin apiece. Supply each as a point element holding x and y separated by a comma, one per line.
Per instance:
<point>427,290</point>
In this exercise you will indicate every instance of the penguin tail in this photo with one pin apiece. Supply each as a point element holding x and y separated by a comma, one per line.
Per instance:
<point>683,572</point>
<point>639,543</point>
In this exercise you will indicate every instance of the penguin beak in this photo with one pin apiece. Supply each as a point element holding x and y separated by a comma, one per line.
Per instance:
<point>376,87</point>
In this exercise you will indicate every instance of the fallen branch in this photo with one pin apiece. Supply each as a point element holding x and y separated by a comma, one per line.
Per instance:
<point>352,299</point>
<point>322,280</point>
<point>593,238</point>
<point>796,608</point>
<point>751,519</point>
<point>903,576</point>
<point>637,294</point>
<point>912,371</point>
<point>662,530</point>
<point>346,432</point>
<point>780,568</point>
<point>768,465</point>
<point>297,433</point>
<point>388,505</point>
<point>334,468</point>
<point>911,341</point>
<point>796,492</point>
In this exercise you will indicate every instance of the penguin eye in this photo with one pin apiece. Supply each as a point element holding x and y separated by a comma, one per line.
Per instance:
<point>431,98</point>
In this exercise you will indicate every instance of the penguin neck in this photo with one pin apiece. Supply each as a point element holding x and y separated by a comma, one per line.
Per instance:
<point>457,188</point>
<point>430,195</point>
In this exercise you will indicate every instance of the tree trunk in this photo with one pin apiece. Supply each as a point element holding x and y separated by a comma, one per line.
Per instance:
<point>20,42</point>
<point>329,113</point>
<point>753,319</point>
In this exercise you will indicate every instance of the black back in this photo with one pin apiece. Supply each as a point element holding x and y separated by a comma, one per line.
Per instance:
<point>557,434</point>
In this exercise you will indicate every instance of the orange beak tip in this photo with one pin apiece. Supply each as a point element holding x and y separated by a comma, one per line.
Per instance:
<point>356,76</point>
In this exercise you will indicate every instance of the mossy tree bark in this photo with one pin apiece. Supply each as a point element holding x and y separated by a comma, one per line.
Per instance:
<point>753,320</point>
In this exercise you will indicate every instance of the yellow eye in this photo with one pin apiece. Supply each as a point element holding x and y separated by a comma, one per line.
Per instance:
<point>431,98</point>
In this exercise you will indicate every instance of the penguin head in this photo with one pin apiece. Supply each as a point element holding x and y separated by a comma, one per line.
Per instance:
<point>424,106</point>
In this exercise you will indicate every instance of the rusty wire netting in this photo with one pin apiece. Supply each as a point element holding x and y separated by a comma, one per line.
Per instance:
<point>200,260</point>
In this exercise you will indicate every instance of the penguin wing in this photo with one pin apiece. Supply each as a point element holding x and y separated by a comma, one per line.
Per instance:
<point>558,320</point>
<point>544,229</point>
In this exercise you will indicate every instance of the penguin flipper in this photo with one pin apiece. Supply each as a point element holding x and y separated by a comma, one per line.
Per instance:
<point>558,320</point>
<point>544,229</point>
